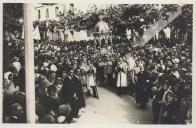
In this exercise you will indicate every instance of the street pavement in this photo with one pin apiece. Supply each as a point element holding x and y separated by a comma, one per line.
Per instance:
<point>111,108</point>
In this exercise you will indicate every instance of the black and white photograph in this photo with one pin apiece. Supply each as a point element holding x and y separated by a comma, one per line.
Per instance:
<point>70,63</point>
<point>14,99</point>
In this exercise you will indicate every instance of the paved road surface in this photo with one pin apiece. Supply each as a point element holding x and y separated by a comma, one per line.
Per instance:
<point>112,108</point>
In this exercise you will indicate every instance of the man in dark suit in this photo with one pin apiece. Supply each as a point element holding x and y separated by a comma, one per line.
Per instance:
<point>142,89</point>
<point>17,114</point>
<point>79,90</point>
<point>69,94</point>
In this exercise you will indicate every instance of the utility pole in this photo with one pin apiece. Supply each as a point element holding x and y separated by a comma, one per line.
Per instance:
<point>1,64</point>
<point>29,63</point>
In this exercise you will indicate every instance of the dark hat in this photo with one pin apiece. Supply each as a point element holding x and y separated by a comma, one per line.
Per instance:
<point>70,68</point>
<point>52,88</point>
<point>64,109</point>
<point>44,72</point>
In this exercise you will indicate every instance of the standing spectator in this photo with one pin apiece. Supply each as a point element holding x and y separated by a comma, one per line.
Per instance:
<point>70,96</point>
<point>77,81</point>
<point>142,88</point>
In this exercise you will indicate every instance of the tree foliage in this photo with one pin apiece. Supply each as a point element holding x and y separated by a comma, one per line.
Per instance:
<point>12,13</point>
<point>123,16</point>
<point>119,17</point>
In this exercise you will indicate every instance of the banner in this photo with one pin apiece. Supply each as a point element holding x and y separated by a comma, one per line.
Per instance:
<point>36,34</point>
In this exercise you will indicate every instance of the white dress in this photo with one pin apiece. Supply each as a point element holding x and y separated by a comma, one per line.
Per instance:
<point>122,75</point>
<point>91,77</point>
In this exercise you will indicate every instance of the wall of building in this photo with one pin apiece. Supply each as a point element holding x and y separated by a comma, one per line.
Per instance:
<point>40,11</point>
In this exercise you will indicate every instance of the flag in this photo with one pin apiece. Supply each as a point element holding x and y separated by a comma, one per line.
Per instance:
<point>36,34</point>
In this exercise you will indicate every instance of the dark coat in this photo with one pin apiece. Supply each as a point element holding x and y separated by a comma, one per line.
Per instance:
<point>141,88</point>
<point>15,119</point>
<point>50,103</point>
<point>79,91</point>
<point>68,90</point>
<point>21,77</point>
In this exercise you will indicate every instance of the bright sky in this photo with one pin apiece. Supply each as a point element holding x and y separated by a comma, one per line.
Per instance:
<point>85,7</point>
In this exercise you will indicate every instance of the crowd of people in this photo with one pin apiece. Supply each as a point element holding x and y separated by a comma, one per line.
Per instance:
<point>160,71</point>
<point>167,79</point>
<point>68,73</point>
<point>14,103</point>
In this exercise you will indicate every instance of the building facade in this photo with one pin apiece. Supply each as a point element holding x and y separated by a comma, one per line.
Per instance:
<point>54,12</point>
<point>44,12</point>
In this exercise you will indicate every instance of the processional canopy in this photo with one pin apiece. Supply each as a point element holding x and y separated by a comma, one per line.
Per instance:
<point>101,27</point>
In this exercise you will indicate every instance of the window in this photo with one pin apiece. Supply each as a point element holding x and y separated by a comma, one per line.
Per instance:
<point>71,7</point>
<point>39,14</point>
<point>47,13</point>
<point>56,11</point>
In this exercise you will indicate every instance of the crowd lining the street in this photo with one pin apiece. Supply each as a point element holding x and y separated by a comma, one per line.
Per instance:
<point>68,73</point>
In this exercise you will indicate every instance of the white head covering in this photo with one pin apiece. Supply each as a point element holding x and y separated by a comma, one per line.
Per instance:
<point>53,68</point>
<point>17,65</point>
<point>176,60</point>
<point>45,64</point>
<point>6,75</point>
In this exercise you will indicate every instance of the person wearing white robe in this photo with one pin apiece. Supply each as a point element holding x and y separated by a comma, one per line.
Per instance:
<point>167,32</point>
<point>91,73</point>
<point>121,69</point>
<point>130,71</point>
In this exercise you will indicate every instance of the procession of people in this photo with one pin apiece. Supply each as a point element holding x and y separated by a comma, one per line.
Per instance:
<point>67,73</point>
<point>156,72</point>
